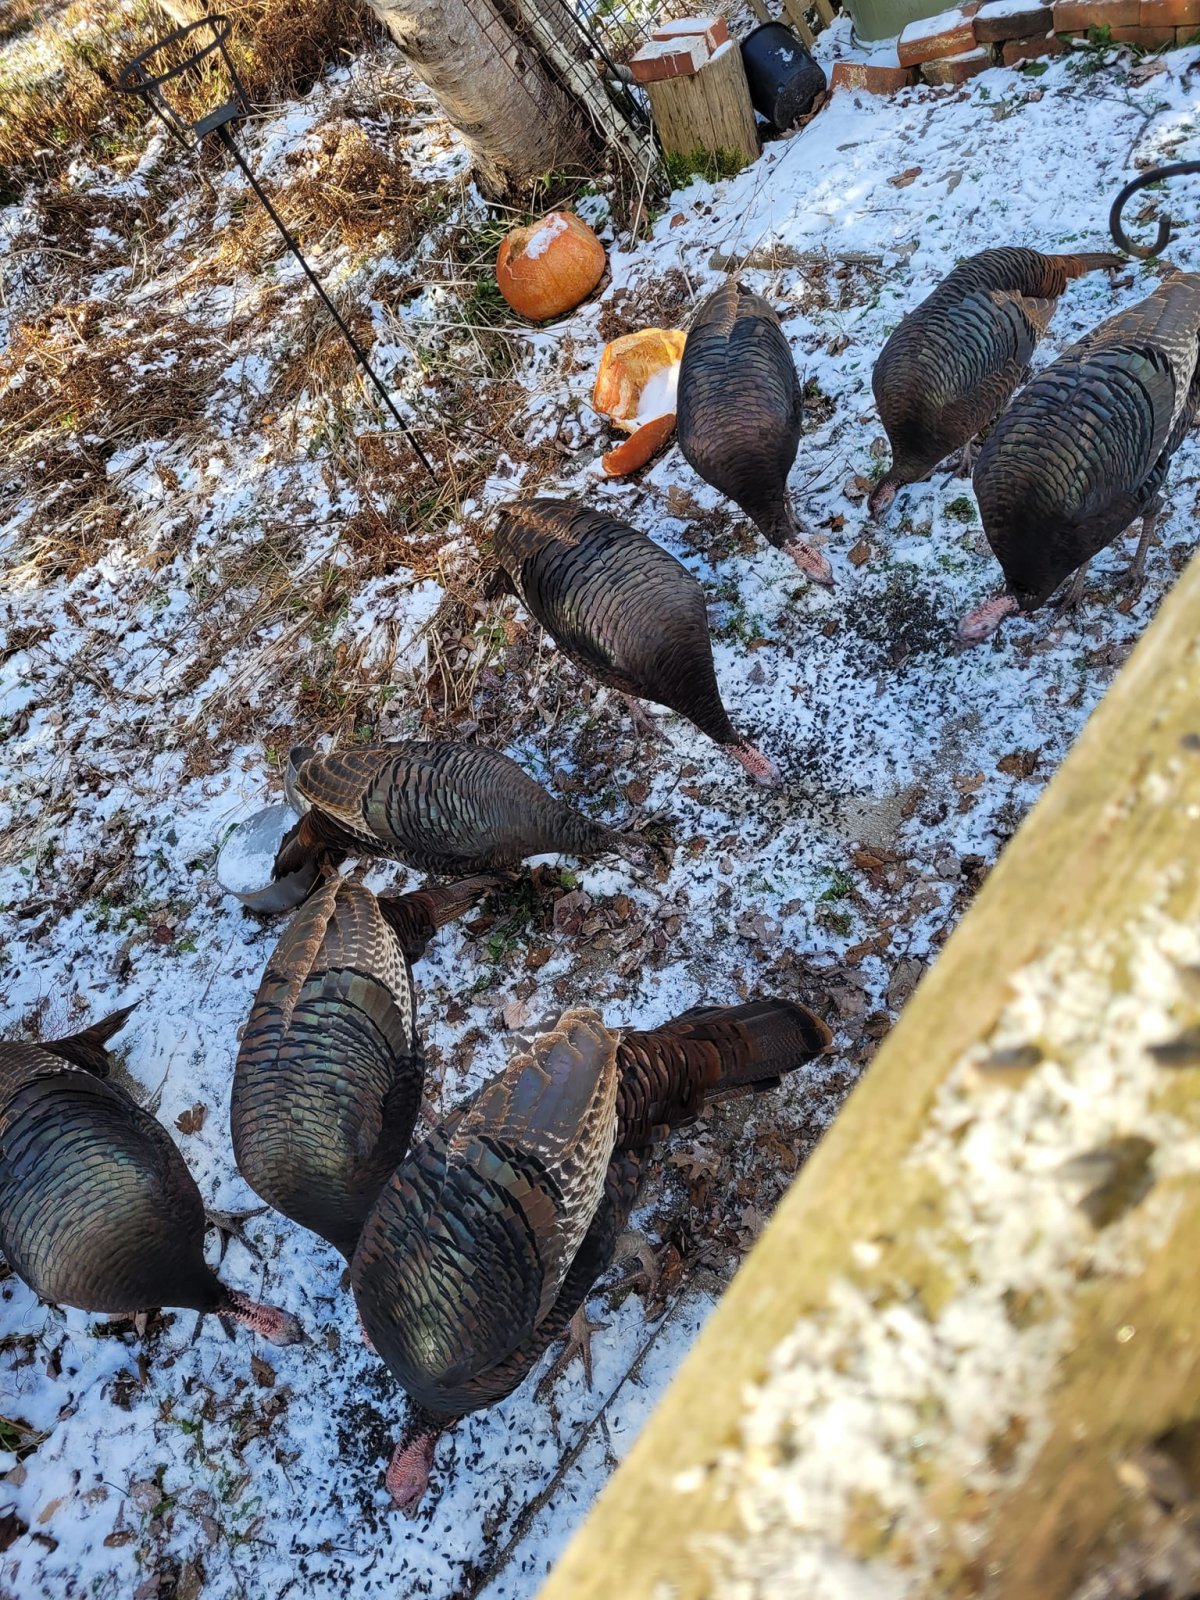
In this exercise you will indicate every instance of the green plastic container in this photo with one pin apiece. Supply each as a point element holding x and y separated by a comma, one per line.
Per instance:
<point>884,19</point>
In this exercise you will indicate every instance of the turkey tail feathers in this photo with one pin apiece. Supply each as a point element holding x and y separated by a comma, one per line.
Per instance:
<point>86,1048</point>
<point>416,917</point>
<point>757,1043</point>
<point>668,1074</point>
<point>1090,261</point>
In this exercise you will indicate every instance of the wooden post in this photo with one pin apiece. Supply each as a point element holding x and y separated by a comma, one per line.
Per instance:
<point>798,22</point>
<point>962,1361</point>
<point>710,111</point>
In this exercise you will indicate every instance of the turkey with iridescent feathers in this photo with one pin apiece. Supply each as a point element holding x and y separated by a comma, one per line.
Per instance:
<point>486,1241</point>
<point>623,610</point>
<point>952,365</point>
<point>97,1207</point>
<point>1084,450</point>
<point>329,1078</point>
<point>738,415</point>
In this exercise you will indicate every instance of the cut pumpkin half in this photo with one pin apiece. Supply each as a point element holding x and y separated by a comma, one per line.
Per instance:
<point>635,451</point>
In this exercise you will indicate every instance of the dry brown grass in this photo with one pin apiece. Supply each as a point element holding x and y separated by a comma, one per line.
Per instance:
<point>75,385</point>
<point>56,91</point>
<point>89,371</point>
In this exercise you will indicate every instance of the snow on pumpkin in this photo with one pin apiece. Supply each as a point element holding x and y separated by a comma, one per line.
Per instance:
<point>546,269</point>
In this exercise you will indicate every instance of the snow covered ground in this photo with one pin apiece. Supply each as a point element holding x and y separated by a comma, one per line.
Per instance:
<point>244,594</point>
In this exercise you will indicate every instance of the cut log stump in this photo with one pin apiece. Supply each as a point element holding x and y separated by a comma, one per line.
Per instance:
<point>709,111</point>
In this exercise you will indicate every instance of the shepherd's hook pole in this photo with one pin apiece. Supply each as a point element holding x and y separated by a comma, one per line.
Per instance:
<point>360,354</point>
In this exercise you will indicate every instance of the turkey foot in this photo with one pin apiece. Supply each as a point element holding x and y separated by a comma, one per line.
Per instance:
<point>760,767</point>
<point>633,1246</point>
<point>633,848</point>
<point>276,1325</point>
<point>230,1225</point>
<point>966,459</point>
<point>579,1343</point>
<point>366,1337</point>
<point>982,623</point>
<point>1070,601</point>
<point>810,561</point>
<point>644,725</point>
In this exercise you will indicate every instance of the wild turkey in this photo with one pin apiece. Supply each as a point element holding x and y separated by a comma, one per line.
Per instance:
<point>623,609</point>
<point>437,805</point>
<point>951,366</point>
<point>738,415</point>
<point>1084,450</point>
<point>97,1208</point>
<point>485,1242</point>
<point>328,1081</point>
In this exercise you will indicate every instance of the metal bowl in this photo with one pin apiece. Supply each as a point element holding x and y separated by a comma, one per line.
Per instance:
<point>247,856</point>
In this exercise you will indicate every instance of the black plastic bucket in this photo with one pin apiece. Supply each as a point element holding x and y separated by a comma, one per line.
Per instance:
<point>784,79</point>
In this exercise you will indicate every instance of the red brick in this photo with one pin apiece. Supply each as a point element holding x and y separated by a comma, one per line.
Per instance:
<point>1149,38</point>
<point>1169,13</point>
<point>1003,23</point>
<point>874,79</point>
<point>669,58</point>
<point>1017,50</point>
<point>1077,16</point>
<point>957,69</point>
<point>952,33</point>
<point>713,29</point>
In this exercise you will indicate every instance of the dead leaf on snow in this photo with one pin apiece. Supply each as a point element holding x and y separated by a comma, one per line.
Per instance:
<point>1020,764</point>
<point>906,974</point>
<point>860,553</point>
<point>192,1120</point>
<point>903,179</point>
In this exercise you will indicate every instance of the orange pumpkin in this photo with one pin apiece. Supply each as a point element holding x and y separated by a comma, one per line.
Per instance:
<point>549,267</point>
<point>628,369</point>
<point>635,451</point>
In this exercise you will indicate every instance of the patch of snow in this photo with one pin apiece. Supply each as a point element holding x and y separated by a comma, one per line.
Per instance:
<point>658,396</point>
<point>139,694</point>
<point>550,229</point>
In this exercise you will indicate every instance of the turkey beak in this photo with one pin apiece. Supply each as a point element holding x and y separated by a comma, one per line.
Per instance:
<point>881,497</point>
<point>981,623</point>
<point>408,1471</point>
<point>810,561</point>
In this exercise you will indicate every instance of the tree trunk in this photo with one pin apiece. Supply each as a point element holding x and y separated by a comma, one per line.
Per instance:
<point>515,120</point>
<point>491,82</point>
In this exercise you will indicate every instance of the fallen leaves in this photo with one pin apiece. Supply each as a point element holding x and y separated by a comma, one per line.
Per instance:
<point>1020,764</point>
<point>903,179</point>
<point>906,975</point>
<point>192,1120</point>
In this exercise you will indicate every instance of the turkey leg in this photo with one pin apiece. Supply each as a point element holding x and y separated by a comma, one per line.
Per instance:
<point>1137,567</point>
<point>1071,601</point>
<point>644,725</point>
<point>579,1343</point>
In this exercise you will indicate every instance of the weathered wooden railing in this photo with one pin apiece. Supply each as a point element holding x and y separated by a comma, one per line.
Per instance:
<point>964,1358</point>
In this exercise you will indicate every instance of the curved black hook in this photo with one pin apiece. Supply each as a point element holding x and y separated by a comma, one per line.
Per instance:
<point>1174,170</point>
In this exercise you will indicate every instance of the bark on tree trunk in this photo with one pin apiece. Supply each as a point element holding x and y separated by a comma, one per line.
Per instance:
<point>515,120</point>
<point>492,85</point>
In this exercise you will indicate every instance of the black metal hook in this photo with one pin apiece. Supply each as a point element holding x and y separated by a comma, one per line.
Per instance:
<point>1174,170</point>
